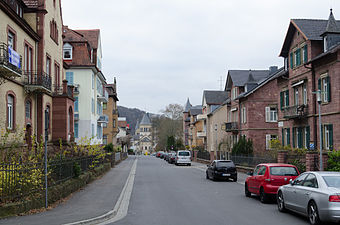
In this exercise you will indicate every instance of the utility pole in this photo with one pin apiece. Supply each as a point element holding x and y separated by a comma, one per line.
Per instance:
<point>45,158</point>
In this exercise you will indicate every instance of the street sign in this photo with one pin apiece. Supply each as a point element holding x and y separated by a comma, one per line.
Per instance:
<point>311,146</point>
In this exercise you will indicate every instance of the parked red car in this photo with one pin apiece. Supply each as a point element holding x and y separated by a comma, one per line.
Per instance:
<point>267,178</point>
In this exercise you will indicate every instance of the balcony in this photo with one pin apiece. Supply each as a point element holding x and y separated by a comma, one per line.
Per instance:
<point>103,97</point>
<point>37,82</point>
<point>201,117</point>
<point>201,134</point>
<point>295,112</point>
<point>231,127</point>
<point>10,62</point>
<point>103,119</point>
<point>59,91</point>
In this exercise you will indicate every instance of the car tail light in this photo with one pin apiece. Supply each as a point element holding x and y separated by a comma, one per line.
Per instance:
<point>334,198</point>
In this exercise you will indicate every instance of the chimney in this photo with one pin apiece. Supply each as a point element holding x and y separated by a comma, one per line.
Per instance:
<point>64,87</point>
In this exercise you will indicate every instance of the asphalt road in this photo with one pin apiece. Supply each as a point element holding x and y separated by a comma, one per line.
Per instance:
<point>167,194</point>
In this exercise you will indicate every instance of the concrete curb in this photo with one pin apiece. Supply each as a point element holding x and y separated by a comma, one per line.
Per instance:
<point>124,196</point>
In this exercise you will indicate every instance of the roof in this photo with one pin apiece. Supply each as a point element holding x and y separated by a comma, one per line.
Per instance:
<point>240,77</point>
<point>196,110</point>
<point>72,35</point>
<point>187,106</point>
<point>145,120</point>
<point>332,26</point>
<point>215,97</point>
<point>92,36</point>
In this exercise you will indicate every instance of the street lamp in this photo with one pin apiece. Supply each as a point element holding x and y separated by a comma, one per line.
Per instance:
<point>319,100</point>
<point>216,140</point>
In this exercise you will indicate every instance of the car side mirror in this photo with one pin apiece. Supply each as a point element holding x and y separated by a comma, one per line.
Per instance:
<point>250,173</point>
<point>291,182</point>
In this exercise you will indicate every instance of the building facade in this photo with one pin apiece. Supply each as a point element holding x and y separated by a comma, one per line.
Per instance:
<point>144,138</point>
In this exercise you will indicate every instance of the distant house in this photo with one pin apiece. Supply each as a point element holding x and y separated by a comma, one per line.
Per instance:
<point>186,122</point>
<point>143,139</point>
<point>196,127</point>
<point>311,51</point>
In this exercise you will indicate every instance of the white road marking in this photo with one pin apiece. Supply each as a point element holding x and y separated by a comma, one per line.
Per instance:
<point>122,205</point>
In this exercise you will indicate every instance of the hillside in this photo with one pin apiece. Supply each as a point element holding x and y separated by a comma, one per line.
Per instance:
<point>132,115</point>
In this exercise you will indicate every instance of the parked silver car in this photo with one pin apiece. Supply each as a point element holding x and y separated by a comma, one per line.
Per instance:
<point>312,194</point>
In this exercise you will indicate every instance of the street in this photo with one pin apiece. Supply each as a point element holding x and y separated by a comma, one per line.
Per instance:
<point>169,194</point>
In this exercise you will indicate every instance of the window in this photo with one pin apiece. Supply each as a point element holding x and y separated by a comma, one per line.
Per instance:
<point>269,138</point>
<point>11,40</point>
<point>243,115</point>
<point>67,51</point>
<point>105,139</point>
<point>57,74</point>
<point>284,99</point>
<point>99,108</point>
<point>262,170</point>
<point>54,31</point>
<point>92,105</point>
<point>99,132</point>
<point>28,56</point>
<point>234,93</point>
<point>48,66</point>
<point>76,104</point>
<point>76,127</point>
<point>28,107</point>
<point>325,87</point>
<point>105,125</point>
<point>310,181</point>
<point>297,57</point>
<point>305,54</point>
<point>104,105</point>
<point>69,78</point>
<point>114,123</point>
<point>296,96</point>
<point>300,179</point>
<point>304,93</point>
<point>92,130</point>
<point>10,111</point>
<point>271,114</point>
<point>285,136</point>
<point>327,137</point>
<point>325,44</point>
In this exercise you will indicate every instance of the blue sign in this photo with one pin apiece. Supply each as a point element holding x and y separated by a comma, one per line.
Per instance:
<point>311,146</point>
<point>13,57</point>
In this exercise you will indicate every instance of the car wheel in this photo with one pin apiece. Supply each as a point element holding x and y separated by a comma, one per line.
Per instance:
<point>189,164</point>
<point>263,196</point>
<point>235,179</point>
<point>280,202</point>
<point>313,214</point>
<point>246,191</point>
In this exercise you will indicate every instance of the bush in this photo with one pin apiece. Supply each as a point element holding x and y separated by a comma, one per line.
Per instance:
<point>76,169</point>
<point>109,147</point>
<point>243,147</point>
<point>334,161</point>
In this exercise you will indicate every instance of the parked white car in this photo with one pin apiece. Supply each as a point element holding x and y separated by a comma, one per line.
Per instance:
<point>183,157</point>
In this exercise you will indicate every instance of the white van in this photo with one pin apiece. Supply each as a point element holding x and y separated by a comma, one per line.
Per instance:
<point>183,157</point>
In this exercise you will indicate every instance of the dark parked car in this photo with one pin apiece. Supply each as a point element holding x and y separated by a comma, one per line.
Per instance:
<point>172,159</point>
<point>222,170</point>
<point>171,154</point>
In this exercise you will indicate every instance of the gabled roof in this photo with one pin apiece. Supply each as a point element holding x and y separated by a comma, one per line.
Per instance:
<point>214,97</point>
<point>145,139</point>
<point>196,110</point>
<point>332,26</point>
<point>239,78</point>
<point>92,36</point>
<point>72,36</point>
<point>145,120</point>
<point>187,106</point>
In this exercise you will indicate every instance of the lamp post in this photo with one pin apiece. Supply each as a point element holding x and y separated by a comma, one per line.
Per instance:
<point>216,140</point>
<point>319,100</point>
<point>47,122</point>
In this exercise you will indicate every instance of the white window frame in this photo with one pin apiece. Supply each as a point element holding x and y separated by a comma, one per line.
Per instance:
<point>270,114</point>
<point>324,87</point>
<point>326,137</point>
<point>10,110</point>
<point>244,115</point>
<point>67,47</point>
<point>304,94</point>
<point>296,96</point>
<point>11,40</point>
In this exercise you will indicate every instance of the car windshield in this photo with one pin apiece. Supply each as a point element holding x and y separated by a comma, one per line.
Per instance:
<point>283,171</point>
<point>225,164</point>
<point>332,181</point>
<point>183,153</point>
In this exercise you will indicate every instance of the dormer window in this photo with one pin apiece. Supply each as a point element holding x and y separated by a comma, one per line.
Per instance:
<point>325,44</point>
<point>67,49</point>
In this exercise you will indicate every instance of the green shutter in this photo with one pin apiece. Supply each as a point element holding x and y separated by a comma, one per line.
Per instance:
<point>283,137</point>
<point>291,60</point>
<point>305,54</point>
<point>288,136</point>
<point>281,99</point>
<point>300,137</point>
<point>319,84</point>
<point>298,61</point>
<point>287,98</point>
<point>308,137</point>
<point>293,134</point>
<point>328,89</point>
<point>330,128</point>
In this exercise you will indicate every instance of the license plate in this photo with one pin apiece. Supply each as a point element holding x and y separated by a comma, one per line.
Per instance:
<point>226,174</point>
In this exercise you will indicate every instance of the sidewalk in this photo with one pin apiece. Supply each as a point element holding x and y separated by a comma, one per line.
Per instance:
<point>94,200</point>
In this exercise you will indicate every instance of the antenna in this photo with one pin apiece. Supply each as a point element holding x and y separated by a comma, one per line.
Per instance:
<point>221,82</point>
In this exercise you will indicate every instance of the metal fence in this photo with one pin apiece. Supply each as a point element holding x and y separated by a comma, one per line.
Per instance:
<point>205,155</point>
<point>20,181</point>
<point>252,161</point>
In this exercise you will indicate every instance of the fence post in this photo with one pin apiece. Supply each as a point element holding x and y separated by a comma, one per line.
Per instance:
<point>282,156</point>
<point>324,160</point>
<point>310,160</point>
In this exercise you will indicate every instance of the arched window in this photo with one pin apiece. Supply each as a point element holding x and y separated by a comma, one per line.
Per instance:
<point>28,109</point>
<point>10,112</point>
<point>67,51</point>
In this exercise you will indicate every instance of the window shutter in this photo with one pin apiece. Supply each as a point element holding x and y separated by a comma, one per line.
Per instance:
<point>291,60</point>
<point>294,130</point>
<point>283,137</point>
<point>328,89</point>
<point>308,137</point>
<point>267,114</point>
<point>300,137</point>
<point>281,100</point>
<point>305,53</point>
<point>288,136</point>
<point>267,141</point>
<point>76,130</point>
<point>319,84</point>
<point>287,98</point>
<point>76,104</point>
<point>330,128</point>
<point>69,78</point>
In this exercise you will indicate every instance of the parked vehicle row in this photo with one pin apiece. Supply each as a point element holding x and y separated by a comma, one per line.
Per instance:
<point>181,157</point>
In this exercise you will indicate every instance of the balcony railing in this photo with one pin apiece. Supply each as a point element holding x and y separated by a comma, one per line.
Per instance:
<point>58,91</point>
<point>37,81</point>
<point>103,97</point>
<point>231,126</point>
<point>103,119</point>
<point>296,111</point>
<point>202,117</point>
<point>10,62</point>
<point>201,134</point>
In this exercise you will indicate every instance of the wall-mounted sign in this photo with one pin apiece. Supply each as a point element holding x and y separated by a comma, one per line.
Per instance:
<point>280,124</point>
<point>13,57</point>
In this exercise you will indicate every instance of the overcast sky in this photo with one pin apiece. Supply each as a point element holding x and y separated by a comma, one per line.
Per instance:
<point>163,51</point>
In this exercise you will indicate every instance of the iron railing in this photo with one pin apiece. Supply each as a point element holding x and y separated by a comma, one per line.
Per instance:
<point>5,59</point>
<point>58,90</point>
<point>296,111</point>
<point>231,126</point>
<point>205,155</point>
<point>37,79</point>
<point>252,161</point>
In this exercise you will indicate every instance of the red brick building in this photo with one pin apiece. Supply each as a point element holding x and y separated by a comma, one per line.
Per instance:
<point>311,52</point>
